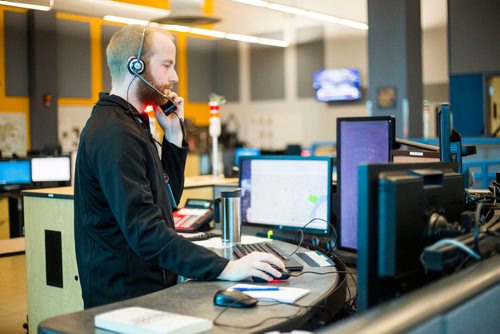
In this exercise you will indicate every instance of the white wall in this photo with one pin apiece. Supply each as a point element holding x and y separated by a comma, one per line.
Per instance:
<point>70,118</point>
<point>435,56</point>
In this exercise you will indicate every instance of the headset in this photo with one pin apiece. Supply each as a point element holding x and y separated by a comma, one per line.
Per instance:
<point>136,67</point>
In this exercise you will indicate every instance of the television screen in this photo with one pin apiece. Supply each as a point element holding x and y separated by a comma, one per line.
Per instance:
<point>337,85</point>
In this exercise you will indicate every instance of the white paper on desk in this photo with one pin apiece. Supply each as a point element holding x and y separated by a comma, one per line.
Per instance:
<point>140,320</point>
<point>217,242</point>
<point>284,294</point>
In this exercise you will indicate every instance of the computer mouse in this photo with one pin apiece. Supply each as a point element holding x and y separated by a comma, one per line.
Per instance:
<point>234,298</point>
<point>285,274</point>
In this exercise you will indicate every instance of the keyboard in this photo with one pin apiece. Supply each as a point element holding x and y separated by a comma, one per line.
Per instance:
<point>245,249</point>
<point>203,236</point>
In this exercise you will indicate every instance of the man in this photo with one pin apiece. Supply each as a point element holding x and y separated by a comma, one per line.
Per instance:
<point>126,245</point>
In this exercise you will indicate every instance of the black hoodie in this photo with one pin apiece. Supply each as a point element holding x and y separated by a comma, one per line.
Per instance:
<point>125,242</point>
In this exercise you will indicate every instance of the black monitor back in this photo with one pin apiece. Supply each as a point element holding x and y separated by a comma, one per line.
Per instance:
<point>389,242</point>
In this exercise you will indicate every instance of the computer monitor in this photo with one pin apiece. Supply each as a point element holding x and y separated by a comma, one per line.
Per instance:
<point>286,192</point>
<point>14,172</point>
<point>244,151</point>
<point>359,140</point>
<point>395,204</point>
<point>47,169</point>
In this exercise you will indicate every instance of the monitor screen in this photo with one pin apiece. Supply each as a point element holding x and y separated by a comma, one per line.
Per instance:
<point>337,85</point>
<point>359,140</point>
<point>48,169</point>
<point>243,152</point>
<point>15,172</point>
<point>286,192</point>
<point>395,208</point>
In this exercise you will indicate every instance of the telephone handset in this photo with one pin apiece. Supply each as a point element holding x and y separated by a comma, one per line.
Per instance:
<point>168,107</point>
<point>195,216</point>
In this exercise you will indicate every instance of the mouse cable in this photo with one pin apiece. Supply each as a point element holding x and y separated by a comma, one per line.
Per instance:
<point>318,273</point>
<point>217,323</point>
<point>277,302</point>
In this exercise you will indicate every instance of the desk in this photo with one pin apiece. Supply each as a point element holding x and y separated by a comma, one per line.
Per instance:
<point>205,187</point>
<point>195,298</point>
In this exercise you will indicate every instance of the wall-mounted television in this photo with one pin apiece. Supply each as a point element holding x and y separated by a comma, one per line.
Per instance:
<point>337,85</point>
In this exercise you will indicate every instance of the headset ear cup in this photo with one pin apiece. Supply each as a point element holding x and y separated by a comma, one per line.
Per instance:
<point>136,66</point>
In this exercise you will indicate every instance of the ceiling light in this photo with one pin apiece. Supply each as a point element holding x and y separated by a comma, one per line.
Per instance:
<point>207,32</point>
<point>304,12</point>
<point>273,42</point>
<point>322,17</point>
<point>202,32</point>
<point>354,24</point>
<point>125,20</point>
<point>242,38</point>
<point>174,27</point>
<point>286,9</point>
<point>258,3</point>
<point>49,3</point>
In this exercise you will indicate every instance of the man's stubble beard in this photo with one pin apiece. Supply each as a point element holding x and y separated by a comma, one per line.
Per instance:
<point>148,95</point>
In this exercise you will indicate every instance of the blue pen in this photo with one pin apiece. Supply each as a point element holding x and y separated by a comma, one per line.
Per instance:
<point>258,289</point>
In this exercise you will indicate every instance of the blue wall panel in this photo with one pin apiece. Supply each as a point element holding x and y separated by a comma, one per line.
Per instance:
<point>467,104</point>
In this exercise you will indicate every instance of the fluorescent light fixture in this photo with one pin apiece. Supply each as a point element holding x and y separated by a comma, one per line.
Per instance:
<point>202,32</point>
<point>242,38</point>
<point>304,12</point>
<point>273,42</point>
<point>354,24</point>
<point>258,3</point>
<point>286,9</point>
<point>207,32</point>
<point>28,6</point>
<point>125,20</point>
<point>322,17</point>
<point>174,27</point>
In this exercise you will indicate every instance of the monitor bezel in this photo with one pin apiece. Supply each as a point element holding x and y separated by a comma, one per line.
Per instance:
<point>257,152</point>
<point>392,137</point>
<point>291,228</point>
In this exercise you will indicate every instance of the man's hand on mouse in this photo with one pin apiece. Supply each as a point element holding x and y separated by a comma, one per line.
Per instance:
<point>254,264</point>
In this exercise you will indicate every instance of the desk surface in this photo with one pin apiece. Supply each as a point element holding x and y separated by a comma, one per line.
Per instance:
<point>189,182</point>
<point>196,298</point>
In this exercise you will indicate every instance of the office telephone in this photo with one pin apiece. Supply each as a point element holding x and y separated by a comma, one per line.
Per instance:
<point>195,216</point>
